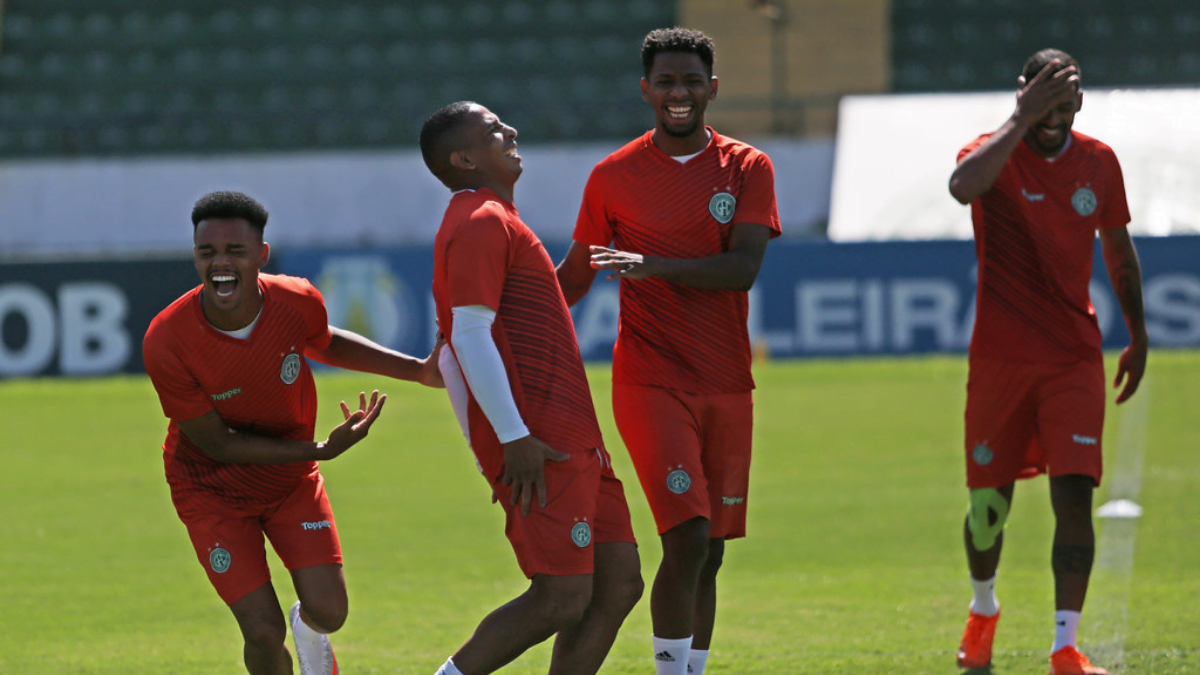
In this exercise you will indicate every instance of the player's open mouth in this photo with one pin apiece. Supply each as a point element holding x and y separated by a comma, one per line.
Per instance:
<point>679,112</point>
<point>224,284</point>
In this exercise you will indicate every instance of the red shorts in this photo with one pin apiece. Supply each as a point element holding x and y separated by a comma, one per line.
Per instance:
<point>691,452</point>
<point>1024,419</point>
<point>585,505</point>
<point>228,538</point>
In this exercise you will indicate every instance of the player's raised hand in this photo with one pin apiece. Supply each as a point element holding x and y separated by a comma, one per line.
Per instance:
<point>1132,364</point>
<point>1052,86</point>
<point>354,428</point>
<point>524,469</point>
<point>625,264</point>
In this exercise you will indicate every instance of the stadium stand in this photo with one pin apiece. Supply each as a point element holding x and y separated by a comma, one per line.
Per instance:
<point>134,77</point>
<point>971,45</point>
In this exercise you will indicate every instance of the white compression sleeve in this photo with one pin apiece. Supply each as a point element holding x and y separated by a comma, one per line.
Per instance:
<point>483,369</point>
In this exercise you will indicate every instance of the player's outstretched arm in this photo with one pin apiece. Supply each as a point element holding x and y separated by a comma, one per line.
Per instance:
<point>733,270</point>
<point>230,446</point>
<point>575,273</point>
<point>1125,273</point>
<point>978,171</point>
<point>352,351</point>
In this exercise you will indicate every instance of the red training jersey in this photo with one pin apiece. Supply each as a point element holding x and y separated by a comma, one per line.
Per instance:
<point>485,255</point>
<point>1035,230</point>
<point>260,385</point>
<point>643,201</point>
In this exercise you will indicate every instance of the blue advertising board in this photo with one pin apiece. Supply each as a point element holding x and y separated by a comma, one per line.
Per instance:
<point>811,298</point>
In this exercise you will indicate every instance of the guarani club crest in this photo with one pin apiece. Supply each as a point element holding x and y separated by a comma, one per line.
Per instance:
<point>722,206</point>
<point>1084,201</point>
<point>219,560</point>
<point>363,295</point>
<point>581,533</point>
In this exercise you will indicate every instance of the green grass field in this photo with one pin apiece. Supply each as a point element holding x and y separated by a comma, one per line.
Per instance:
<point>853,563</point>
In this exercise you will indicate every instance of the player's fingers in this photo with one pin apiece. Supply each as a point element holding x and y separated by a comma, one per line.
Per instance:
<point>525,499</point>
<point>541,490</point>
<point>556,456</point>
<point>345,410</point>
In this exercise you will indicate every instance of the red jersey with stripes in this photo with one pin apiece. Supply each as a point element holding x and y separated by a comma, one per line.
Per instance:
<point>485,255</point>
<point>1035,232</point>
<point>642,201</point>
<point>261,385</point>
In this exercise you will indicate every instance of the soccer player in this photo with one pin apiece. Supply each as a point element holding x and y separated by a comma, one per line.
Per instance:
<point>531,423</point>
<point>227,360</point>
<point>688,213</point>
<point>1039,192</point>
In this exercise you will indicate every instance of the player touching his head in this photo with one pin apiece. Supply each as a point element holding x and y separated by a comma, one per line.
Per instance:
<point>228,362</point>
<point>1039,192</point>
<point>687,213</point>
<point>529,410</point>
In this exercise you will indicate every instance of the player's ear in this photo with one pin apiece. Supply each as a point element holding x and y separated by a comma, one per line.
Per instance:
<point>1079,101</point>
<point>266,255</point>
<point>459,159</point>
<point>645,90</point>
<point>712,87</point>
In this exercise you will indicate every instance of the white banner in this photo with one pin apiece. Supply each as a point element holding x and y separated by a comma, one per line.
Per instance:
<point>895,155</point>
<point>94,207</point>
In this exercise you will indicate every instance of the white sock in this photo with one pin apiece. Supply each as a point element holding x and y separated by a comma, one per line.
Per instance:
<point>696,661</point>
<point>985,597</point>
<point>448,668</point>
<point>671,656</point>
<point>314,654</point>
<point>1066,627</point>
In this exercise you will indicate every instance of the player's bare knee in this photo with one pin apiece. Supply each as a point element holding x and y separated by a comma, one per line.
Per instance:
<point>261,633</point>
<point>328,617</point>
<point>716,556</point>
<point>562,600</point>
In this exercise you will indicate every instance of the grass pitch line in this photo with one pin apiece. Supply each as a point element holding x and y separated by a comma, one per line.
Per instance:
<point>1113,573</point>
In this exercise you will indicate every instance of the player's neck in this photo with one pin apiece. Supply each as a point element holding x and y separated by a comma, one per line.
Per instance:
<point>233,319</point>
<point>503,190</point>
<point>674,146</point>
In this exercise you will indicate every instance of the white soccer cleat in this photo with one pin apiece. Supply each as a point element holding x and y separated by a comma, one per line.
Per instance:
<point>313,650</point>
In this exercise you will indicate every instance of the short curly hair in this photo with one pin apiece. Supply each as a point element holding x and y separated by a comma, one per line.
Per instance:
<point>230,204</point>
<point>677,40</point>
<point>1040,60</point>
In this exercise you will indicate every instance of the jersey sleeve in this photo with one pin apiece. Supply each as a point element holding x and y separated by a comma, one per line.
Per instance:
<point>756,203</point>
<point>179,391</point>
<point>477,260</point>
<point>316,317</point>
<point>593,227</point>
<point>972,146</point>
<point>1116,207</point>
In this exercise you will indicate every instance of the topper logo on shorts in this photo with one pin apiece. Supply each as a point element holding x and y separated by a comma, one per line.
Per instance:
<point>316,525</point>
<point>1084,440</point>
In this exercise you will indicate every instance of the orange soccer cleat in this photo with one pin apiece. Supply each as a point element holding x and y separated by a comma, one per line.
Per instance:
<point>1068,661</point>
<point>975,651</point>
